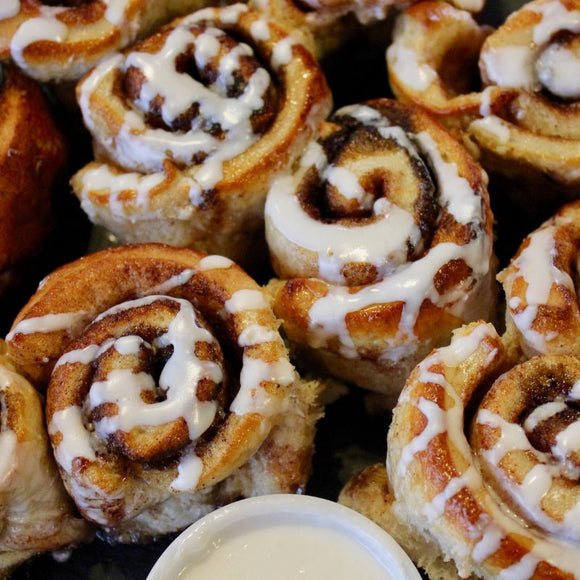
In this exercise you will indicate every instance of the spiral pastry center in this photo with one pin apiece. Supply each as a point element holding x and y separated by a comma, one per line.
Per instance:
<point>155,378</point>
<point>209,66</point>
<point>529,441</point>
<point>367,186</point>
<point>195,94</point>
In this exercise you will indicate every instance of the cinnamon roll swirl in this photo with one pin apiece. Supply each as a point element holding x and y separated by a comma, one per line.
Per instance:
<point>511,94</point>
<point>542,309</point>
<point>171,390</point>
<point>33,155</point>
<point>537,133</point>
<point>192,125</point>
<point>382,244</point>
<point>36,514</point>
<point>432,62</point>
<point>500,502</point>
<point>61,40</point>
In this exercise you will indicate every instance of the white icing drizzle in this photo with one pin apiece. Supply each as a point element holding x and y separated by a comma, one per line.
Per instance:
<point>189,471</point>
<point>214,263</point>
<point>436,507</point>
<point>536,265</point>
<point>382,242</point>
<point>115,12</point>
<point>347,184</point>
<point>517,66</point>
<point>435,426</point>
<point>75,442</point>
<point>50,323</point>
<point>8,438</point>
<point>538,480</point>
<point>509,66</point>
<point>457,195</point>
<point>257,334</point>
<point>142,149</point>
<point>102,178</point>
<point>543,413</point>
<point>9,8</point>
<point>558,70</point>
<point>172,283</point>
<point>471,5</point>
<point>408,66</point>
<point>495,126</point>
<point>495,525</point>
<point>245,299</point>
<point>555,17</point>
<point>568,442</point>
<point>47,26</point>
<point>282,52</point>
<point>8,444</point>
<point>260,30</point>
<point>410,284</point>
<point>123,387</point>
<point>42,28</point>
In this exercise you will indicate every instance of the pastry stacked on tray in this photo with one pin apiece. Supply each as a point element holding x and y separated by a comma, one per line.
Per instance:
<point>266,233</point>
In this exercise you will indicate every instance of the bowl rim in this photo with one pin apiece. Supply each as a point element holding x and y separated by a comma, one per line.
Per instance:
<point>295,508</point>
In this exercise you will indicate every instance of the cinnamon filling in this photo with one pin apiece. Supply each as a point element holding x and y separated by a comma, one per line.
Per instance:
<point>205,69</point>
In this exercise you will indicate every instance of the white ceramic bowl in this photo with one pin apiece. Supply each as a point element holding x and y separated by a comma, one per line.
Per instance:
<point>284,537</point>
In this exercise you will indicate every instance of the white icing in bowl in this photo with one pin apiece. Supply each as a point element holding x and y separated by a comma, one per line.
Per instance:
<point>286,537</point>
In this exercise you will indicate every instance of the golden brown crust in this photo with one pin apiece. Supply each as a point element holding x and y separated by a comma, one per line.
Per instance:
<point>543,314</point>
<point>78,35</point>
<point>211,198</point>
<point>461,467</point>
<point>369,330</point>
<point>207,387</point>
<point>33,153</point>
<point>442,43</point>
<point>36,513</point>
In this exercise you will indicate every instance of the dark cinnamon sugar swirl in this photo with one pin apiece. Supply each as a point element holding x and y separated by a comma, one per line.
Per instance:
<point>36,514</point>
<point>60,41</point>
<point>501,501</point>
<point>171,391</point>
<point>192,125</point>
<point>381,241</point>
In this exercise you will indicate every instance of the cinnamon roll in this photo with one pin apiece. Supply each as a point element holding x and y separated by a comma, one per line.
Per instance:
<point>170,389</point>
<point>192,125</point>
<point>432,62</point>
<point>36,514</point>
<point>536,135</point>
<point>381,242</point>
<point>542,310</point>
<point>60,41</point>
<point>501,501</point>
<point>329,24</point>
<point>511,93</point>
<point>33,155</point>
